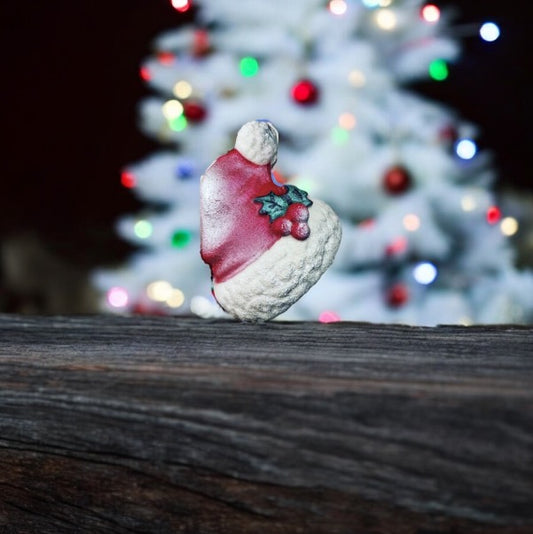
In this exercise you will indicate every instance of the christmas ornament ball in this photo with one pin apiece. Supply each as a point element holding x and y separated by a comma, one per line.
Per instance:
<point>305,92</point>
<point>397,180</point>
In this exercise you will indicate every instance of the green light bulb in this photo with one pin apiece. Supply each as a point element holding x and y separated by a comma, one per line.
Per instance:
<point>249,66</point>
<point>180,238</point>
<point>438,70</point>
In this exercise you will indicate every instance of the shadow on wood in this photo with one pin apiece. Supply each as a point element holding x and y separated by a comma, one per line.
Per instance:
<point>111,424</point>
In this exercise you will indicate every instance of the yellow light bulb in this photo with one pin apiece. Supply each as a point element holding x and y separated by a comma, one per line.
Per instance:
<point>356,78</point>
<point>172,109</point>
<point>159,290</point>
<point>347,121</point>
<point>509,226</point>
<point>386,19</point>
<point>176,298</point>
<point>182,89</point>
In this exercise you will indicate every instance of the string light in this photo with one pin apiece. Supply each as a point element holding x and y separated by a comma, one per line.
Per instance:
<point>489,31</point>
<point>249,66</point>
<point>145,74</point>
<point>160,290</point>
<point>493,214</point>
<point>468,203</point>
<point>143,229</point>
<point>329,317</point>
<point>337,7</point>
<point>386,19</point>
<point>180,238</point>
<point>357,78</point>
<point>176,298</point>
<point>117,297</point>
<point>438,70</point>
<point>339,136</point>
<point>172,109</point>
<point>181,5</point>
<point>182,89</point>
<point>185,170</point>
<point>127,179</point>
<point>166,58</point>
<point>178,124</point>
<point>509,226</point>
<point>411,222</point>
<point>347,121</point>
<point>425,273</point>
<point>398,246</point>
<point>430,13</point>
<point>466,149</point>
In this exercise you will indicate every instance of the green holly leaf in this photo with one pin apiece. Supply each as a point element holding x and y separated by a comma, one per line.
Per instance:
<point>273,205</point>
<point>295,195</point>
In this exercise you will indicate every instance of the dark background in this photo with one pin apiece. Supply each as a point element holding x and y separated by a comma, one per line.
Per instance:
<point>70,89</point>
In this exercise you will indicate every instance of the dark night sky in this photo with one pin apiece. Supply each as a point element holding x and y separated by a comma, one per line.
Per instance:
<point>71,87</point>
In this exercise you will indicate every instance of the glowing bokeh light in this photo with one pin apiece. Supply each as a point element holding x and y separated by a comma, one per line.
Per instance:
<point>182,89</point>
<point>166,58</point>
<point>180,238</point>
<point>438,70</point>
<point>339,136</point>
<point>329,317</point>
<point>357,78</point>
<point>160,290</point>
<point>489,31</point>
<point>347,121</point>
<point>337,7</point>
<point>466,149</point>
<point>371,3</point>
<point>117,297</point>
<point>127,179</point>
<point>145,74</point>
<point>493,214</point>
<point>181,5</point>
<point>172,109</point>
<point>176,298</point>
<point>468,203</point>
<point>397,246</point>
<point>430,13</point>
<point>411,222</point>
<point>248,66</point>
<point>425,273</point>
<point>143,229</point>
<point>509,226</point>
<point>386,19</point>
<point>178,124</point>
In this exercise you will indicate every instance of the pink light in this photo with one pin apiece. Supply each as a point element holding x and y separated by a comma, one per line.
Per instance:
<point>117,297</point>
<point>494,214</point>
<point>329,317</point>
<point>145,74</point>
<point>430,13</point>
<point>397,246</point>
<point>181,5</point>
<point>338,7</point>
<point>127,179</point>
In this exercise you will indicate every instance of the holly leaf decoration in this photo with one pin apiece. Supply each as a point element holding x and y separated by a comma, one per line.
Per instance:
<point>295,195</point>
<point>273,205</point>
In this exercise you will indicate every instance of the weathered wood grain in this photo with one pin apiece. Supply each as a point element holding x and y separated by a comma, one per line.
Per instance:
<point>111,424</point>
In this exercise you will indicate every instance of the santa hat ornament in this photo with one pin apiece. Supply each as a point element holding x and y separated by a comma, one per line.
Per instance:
<point>266,244</point>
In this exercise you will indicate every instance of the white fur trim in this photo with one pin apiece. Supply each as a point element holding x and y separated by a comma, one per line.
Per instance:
<point>258,142</point>
<point>285,272</point>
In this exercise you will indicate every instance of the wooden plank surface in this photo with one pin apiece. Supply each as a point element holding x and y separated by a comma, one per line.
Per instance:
<point>115,424</point>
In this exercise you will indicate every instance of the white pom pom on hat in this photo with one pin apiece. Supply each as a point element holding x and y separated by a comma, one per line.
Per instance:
<point>258,142</point>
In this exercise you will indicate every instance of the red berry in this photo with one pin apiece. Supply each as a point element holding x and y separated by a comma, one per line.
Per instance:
<point>297,212</point>
<point>300,230</point>
<point>282,226</point>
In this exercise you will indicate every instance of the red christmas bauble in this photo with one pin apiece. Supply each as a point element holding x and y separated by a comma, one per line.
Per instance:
<point>397,180</point>
<point>397,295</point>
<point>194,111</point>
<point>305,92</point>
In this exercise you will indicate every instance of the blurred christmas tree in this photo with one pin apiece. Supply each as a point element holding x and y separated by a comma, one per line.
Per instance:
<point>424,241</point>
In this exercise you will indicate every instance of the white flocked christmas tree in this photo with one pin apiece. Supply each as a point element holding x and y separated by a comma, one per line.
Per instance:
<point>424,241</point>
